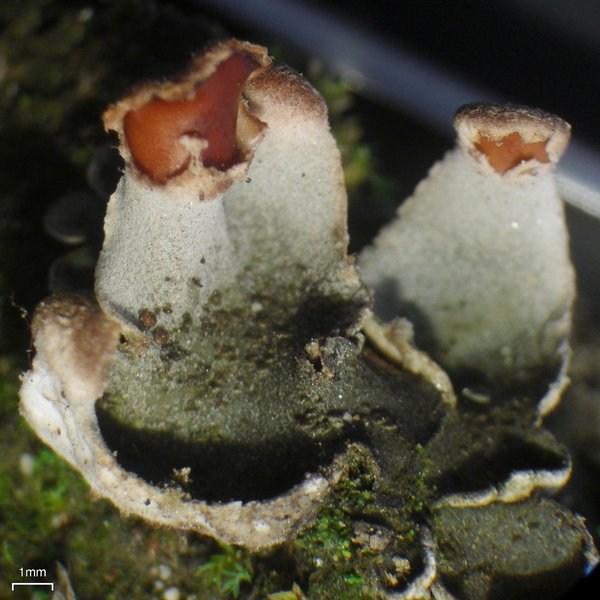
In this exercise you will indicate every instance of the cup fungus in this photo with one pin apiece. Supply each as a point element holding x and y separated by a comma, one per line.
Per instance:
<point>243,363</point>
<point>478,257</point>
<point>214,246</point>
<point>185,143</point>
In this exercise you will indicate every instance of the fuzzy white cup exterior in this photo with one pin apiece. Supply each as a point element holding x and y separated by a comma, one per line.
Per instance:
<point>162,247</point>
<point>480,260</point>
<point>291,209</point>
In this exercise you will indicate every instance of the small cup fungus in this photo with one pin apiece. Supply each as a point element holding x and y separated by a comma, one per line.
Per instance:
<point>478,257</point>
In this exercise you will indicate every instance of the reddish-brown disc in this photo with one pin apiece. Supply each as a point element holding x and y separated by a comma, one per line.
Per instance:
<point>153,131</point>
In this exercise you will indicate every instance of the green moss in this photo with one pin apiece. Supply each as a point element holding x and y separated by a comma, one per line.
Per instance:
<point>39,494</point>
<point>341,584</point>
<point>225,572</point>
<point>8,389</point>
<point>422,490</point>
<point>330,544</point>
<point>294,594</point>
<point>37,502</point>
<point>330,537</point>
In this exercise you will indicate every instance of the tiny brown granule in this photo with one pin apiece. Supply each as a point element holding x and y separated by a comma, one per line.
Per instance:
<point>147,319</point>
<point>161,336</point>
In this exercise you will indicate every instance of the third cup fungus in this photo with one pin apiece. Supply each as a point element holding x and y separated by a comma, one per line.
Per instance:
<point>478,257</point>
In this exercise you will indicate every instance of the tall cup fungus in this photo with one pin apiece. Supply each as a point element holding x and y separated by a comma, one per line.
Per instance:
<point>230,216</point>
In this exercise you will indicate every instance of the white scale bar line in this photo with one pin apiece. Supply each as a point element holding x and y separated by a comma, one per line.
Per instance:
<point>32,583</point>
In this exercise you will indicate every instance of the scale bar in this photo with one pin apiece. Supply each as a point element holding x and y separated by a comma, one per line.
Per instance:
<point>32,583</point>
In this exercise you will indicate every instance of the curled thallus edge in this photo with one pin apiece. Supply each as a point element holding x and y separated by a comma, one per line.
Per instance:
<point>79,441</point>
<point>421,585</point>
<point>518,486</point>
<point>395,341</point>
